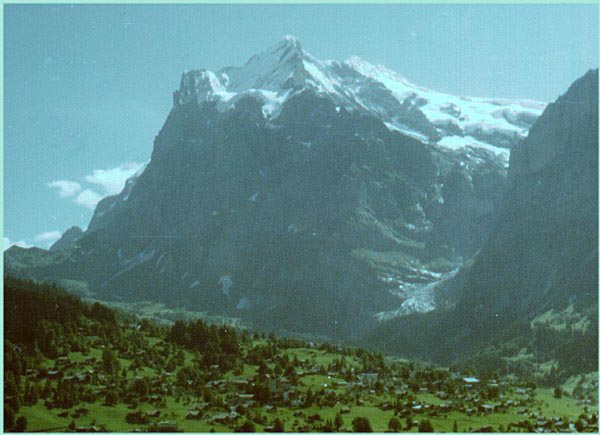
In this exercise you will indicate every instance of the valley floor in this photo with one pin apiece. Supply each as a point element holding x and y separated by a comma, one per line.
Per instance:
<point>87,368</point>
<point>517,408</point>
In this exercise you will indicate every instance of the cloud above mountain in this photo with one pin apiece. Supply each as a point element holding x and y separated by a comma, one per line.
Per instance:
<point>47,237</point>
<point>88,198</point>
<point>7,243</point>
<point>65,188</point>
<point>103,182</point>
<point>112,180</point>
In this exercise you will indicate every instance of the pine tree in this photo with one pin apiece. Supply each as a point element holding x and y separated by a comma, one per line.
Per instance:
<point>9,418</point>
<point>425,426</point>
<point>394,424</point>
<point>20,424</point>
<point>361,424</point>
<point>278,426</point>
<point>110,362</point>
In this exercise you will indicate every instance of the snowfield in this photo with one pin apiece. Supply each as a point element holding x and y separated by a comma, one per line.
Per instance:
<point>453,122</point>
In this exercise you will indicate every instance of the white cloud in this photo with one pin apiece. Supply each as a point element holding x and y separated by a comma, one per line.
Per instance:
<point>88,198</point>
<point>65,188</point>
<point>113,180</point>
<point>47,237</point>
<point>109,181</point>
<point>7,243</point>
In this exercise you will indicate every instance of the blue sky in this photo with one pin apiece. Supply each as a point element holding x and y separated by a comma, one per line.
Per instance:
<point>87,87</point>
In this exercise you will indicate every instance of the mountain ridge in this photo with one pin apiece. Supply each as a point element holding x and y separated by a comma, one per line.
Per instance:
<point>275,74</point>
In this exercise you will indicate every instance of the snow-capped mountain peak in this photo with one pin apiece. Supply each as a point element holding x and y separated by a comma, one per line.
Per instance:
<point>278,68</point>
<point>285,69</point>
<point>375,71</point>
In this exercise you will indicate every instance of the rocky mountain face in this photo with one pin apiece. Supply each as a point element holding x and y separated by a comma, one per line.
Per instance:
<point>68,239</point>
<point>542,254</point>
<point>300,195</point>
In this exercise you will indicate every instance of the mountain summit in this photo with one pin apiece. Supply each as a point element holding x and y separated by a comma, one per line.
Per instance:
<point>275,75</point>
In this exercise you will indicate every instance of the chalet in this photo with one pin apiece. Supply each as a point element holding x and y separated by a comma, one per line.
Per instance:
<point>470,381</point>
<point>542,422</point>
<point>313,418</point>
<point>401,392</point>
<point>278,385</point>
<point>368,379</point>
<point>200,406</point>
<point>245,398</point>
<point>442,395</point>
<point>350,386</point>
<point>239,382</point>
<point>155,413</point>
<point>193,415</point>
<point>83,377</point>
<point>54,374</point>
<point>214,384</point>
<point>155,398</point>
<point>445,407</point>
<point>79,412</point>
<point>164,426</point>
<point>224,418</point>
<point>137,417</point>
<point>88,429</point>
<point>289,395</point>
<point>488,408</point>
<point>386,406</point>
<point>560,424</point>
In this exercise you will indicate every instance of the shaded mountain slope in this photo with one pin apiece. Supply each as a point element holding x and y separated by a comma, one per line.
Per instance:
<point>543,253</point>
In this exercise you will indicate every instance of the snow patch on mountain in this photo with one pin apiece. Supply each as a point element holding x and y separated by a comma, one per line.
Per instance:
<point>284,70</point>
<point>416,297</point>
<point>457,143</point>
